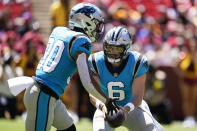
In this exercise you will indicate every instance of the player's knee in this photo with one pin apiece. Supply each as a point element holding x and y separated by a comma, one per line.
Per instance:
<point>71,128</point>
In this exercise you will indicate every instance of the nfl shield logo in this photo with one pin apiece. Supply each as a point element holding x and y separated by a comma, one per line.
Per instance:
<point>115,74</point>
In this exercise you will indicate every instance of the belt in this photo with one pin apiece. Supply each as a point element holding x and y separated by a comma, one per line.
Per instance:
<point>44,88</point>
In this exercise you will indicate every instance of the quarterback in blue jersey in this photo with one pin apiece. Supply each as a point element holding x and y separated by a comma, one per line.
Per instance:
<point>122,74</point>
<point>67,51</point>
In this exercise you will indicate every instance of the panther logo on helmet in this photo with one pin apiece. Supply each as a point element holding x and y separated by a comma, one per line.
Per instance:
<point>87,17</point>
<point>87,10</point>
<point>116,44</point>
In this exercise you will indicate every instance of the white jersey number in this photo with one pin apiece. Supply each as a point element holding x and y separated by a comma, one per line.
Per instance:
<point>51,56</point>
<point>111,91</point>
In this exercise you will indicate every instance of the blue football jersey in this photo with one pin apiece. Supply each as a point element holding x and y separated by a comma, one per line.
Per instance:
<point>57,65</point>
<point>118,84</point>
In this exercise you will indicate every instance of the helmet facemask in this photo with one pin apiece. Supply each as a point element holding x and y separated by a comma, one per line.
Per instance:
<point>116,44</point>
<point>115,53</point>
<point>93,29</point>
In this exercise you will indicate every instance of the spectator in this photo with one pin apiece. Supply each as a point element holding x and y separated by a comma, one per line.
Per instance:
<point>188,83</point>
<point>59,13</point>
<point>23,23</point>
<point>5,16</point>
<point>8,70</point>
<point>28,63</point>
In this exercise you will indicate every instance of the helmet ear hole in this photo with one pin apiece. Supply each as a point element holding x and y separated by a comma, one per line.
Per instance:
<point>88,24</point>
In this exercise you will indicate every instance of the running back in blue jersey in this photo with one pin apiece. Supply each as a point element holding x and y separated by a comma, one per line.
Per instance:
<point>118,85</point>
<point>57,65</point>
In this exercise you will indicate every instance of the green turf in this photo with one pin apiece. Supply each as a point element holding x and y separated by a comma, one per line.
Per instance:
<point>82,125</point>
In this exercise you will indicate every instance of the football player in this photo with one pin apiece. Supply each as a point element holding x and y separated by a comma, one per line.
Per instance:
<point>67,51</point>
<point>122,74</point>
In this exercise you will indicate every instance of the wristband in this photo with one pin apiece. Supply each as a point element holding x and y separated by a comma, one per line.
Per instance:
<point>131,106</point>
<point>97,104</point>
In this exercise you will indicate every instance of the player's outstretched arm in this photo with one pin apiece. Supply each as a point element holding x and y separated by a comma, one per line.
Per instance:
<point>87,79</point>
<point>98,104</point>
<point>138,93</point>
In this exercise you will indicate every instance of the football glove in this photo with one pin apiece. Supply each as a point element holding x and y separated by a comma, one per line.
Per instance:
<point>112,106</point>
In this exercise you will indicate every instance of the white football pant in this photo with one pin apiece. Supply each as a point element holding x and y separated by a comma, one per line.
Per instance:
<point>139,119</point>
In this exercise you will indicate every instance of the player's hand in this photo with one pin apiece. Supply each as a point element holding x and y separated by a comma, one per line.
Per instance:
<point>125,110</point>
<point>112,106</point>
<point>104,110</point>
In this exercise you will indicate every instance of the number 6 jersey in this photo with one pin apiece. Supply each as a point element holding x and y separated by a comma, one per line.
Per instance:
<point>117,82</point>
<point>57,65</point>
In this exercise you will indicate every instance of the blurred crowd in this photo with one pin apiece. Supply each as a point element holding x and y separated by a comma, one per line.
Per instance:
<point>21,46</point>
<point>163,30</point>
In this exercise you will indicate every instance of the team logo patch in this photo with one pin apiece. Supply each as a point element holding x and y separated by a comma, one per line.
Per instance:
<point>146,64</point>
<point>86,45</point>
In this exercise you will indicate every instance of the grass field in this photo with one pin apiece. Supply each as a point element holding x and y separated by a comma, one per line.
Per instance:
<point>82,125</point>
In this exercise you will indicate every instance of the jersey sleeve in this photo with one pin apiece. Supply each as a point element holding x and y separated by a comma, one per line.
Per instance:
<point>143,68</point>
<point>80,44</point>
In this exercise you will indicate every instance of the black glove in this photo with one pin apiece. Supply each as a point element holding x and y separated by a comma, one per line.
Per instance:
<point>112,106</point>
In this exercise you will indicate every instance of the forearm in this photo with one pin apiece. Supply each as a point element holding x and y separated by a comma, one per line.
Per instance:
<point>138,93</point>
<point>134,103</point>
<point>97,103</point>
<point>137,100</point>
<point>88,81</point>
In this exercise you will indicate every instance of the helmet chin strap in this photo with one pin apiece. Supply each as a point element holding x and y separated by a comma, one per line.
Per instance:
<point>111,60</point>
